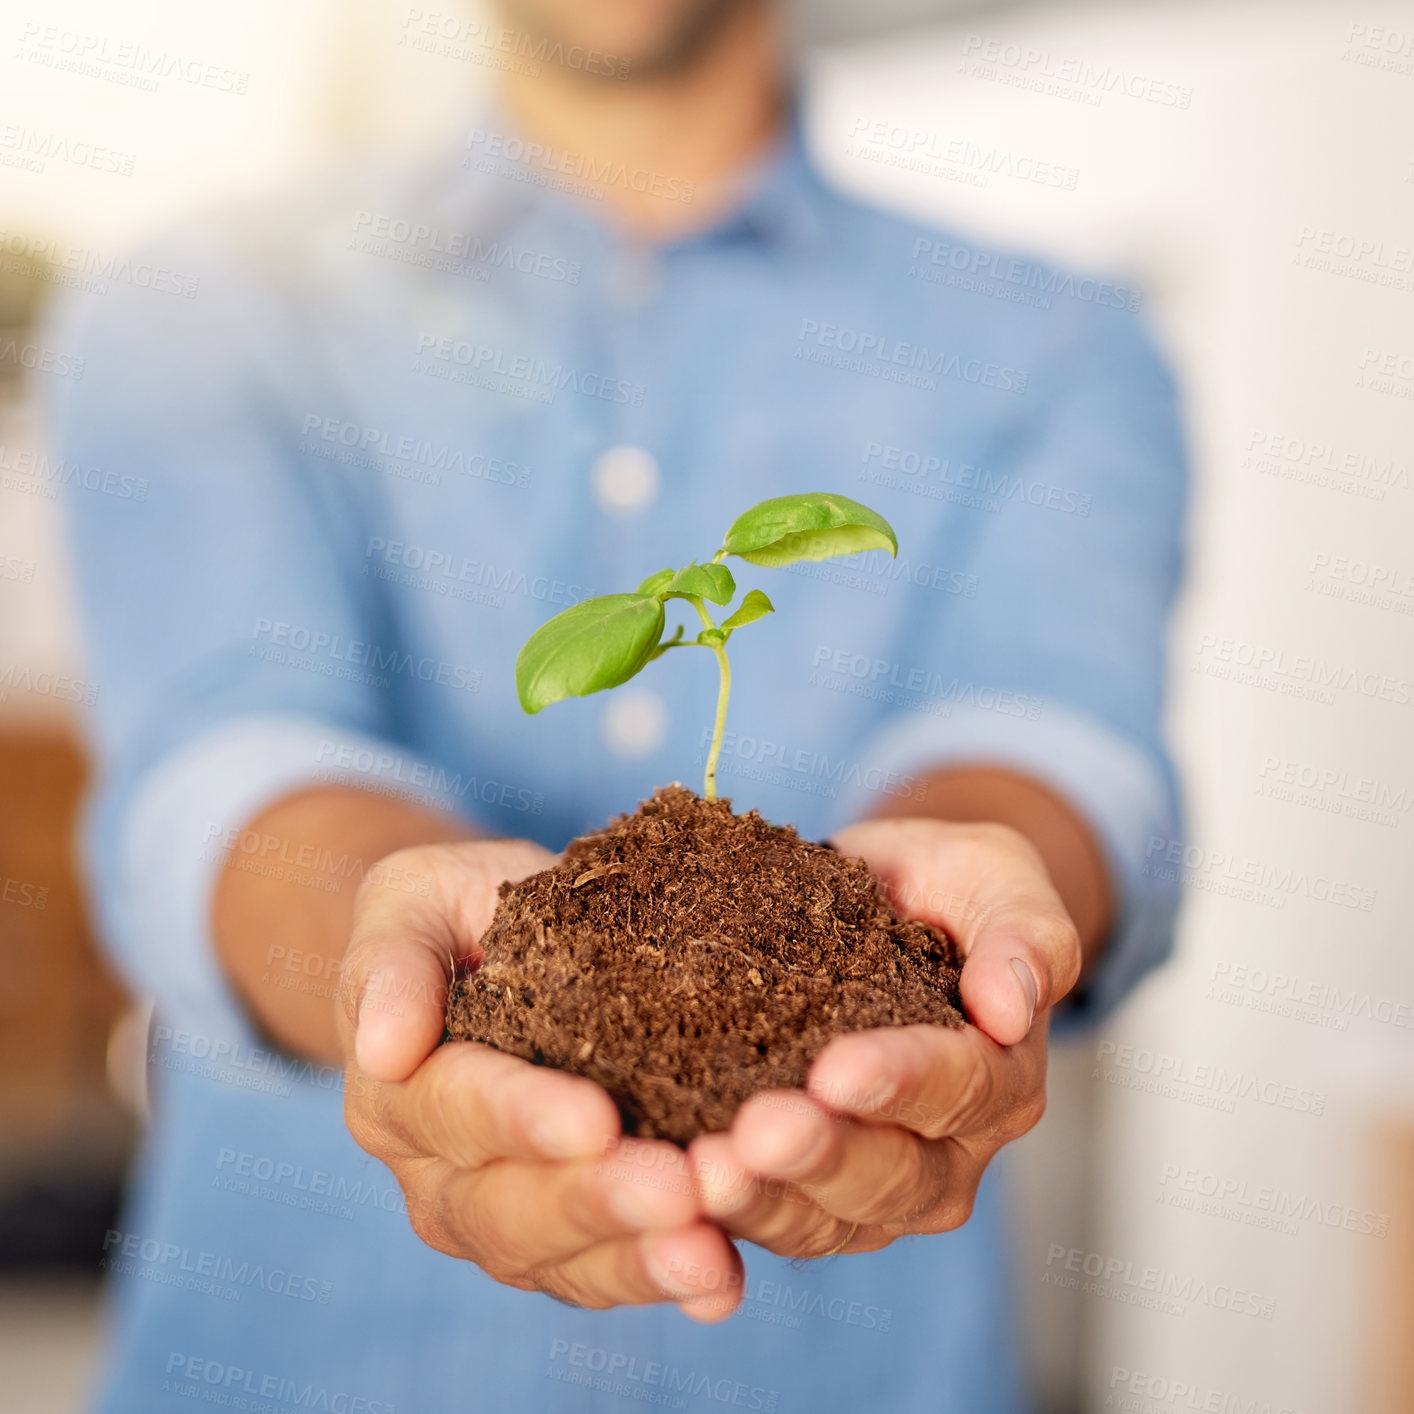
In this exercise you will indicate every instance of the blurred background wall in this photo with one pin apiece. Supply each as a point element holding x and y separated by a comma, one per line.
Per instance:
<point>1218,1211</point>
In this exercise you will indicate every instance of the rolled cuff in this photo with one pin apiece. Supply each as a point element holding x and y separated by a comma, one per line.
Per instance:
<point>1123,794</point>
<point>195,805</point>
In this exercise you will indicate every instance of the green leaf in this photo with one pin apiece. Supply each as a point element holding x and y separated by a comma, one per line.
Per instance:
<point>711,582</point>
<point>655,582</point>
<point>712,637</point>
<point>814,526</point>
<point>674,642</point>
<point>755,606</point>
<point>596,644</point>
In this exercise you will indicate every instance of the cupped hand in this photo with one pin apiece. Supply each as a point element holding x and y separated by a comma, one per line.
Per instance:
<point>520,1169</point>
<point>895,1126</point>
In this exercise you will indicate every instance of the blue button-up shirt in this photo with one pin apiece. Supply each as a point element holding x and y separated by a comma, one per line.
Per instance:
<point>348,456</point>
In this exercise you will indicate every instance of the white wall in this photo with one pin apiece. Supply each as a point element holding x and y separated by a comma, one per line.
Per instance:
<point>1294,128</point>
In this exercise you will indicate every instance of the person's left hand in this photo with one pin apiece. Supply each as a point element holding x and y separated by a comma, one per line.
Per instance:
<point>895,1126</point>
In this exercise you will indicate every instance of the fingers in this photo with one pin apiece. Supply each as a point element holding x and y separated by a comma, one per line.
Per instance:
<point>862,1173</point>
<point>398,963</point>
<point>696,1266</point>
<point>935,1082</point>
<point>852,1186</point>
<point>513,1217</point>
<point>469,1104</point>
<point>622,1230</point>
<point>892,1138</point>
<point>773,1213</point>
<point>988,888</point>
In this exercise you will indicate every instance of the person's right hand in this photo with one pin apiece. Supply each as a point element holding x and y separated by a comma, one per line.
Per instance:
<point>518,1168</point>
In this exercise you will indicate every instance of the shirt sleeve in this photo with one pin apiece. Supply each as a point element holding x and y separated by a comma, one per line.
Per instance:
<point>1056,667</point>
<point>223,617</point>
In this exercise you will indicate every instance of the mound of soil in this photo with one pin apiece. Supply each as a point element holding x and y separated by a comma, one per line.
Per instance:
<point>686,957</point>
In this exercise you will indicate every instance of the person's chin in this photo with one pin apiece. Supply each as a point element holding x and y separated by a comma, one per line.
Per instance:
<point>647,41</point>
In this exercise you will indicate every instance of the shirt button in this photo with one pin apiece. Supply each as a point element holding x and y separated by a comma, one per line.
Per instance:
<point>625,479</point>
<point>634,722</point>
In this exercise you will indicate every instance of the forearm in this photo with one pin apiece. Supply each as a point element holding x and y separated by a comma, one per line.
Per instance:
<point>280,932</point>
<point>1064,841</point>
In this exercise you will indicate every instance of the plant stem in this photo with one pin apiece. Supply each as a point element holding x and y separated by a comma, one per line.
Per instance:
<point>724,692</point>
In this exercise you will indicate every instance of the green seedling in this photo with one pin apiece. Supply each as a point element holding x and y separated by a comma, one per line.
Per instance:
<point>602,643</point>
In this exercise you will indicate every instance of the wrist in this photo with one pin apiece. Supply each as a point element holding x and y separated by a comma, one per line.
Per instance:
<point>280,933</point>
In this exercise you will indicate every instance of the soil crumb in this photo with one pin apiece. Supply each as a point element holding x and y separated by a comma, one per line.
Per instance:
<point>686,957</point>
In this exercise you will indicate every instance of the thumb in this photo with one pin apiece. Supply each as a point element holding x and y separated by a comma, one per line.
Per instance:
<point>403,949</point>
<point>1020,961</point>
<point>396,972</point>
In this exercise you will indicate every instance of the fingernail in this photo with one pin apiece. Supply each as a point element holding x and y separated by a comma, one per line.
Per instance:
<point>1027,979</point>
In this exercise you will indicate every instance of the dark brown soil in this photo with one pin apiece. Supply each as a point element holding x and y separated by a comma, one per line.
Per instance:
<point>687,957</point>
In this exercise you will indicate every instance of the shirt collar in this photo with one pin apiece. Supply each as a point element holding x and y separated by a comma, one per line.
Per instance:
<point>490,180</point>
<point>780,199</point>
